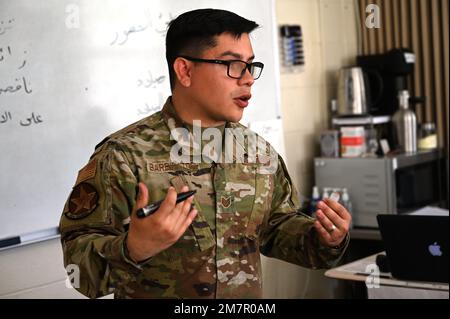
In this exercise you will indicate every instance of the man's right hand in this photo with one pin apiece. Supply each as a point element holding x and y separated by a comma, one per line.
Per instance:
<point>152,234</point>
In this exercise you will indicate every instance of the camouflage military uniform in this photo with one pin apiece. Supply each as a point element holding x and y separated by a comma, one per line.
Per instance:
<point>241,213</point>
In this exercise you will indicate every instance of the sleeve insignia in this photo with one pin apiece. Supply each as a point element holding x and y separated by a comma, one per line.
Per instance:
<point>87,172</point>
<point>82,202</point>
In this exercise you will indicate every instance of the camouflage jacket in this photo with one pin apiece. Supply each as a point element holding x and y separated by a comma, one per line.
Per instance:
<point>243,211</point>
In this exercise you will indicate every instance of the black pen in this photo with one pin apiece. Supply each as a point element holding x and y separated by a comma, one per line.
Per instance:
<point>153,207</point>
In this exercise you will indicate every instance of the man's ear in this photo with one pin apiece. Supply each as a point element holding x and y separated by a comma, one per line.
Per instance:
<point>182,68</point>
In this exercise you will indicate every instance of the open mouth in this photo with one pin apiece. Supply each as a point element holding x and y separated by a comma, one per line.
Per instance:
<point>242,100</point>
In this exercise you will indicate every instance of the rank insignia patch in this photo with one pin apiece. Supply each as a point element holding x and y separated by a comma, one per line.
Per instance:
<point>226,201</point>
<point>83,200</point>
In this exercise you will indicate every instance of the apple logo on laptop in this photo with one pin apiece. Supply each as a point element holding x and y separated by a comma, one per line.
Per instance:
<point>435,249</point>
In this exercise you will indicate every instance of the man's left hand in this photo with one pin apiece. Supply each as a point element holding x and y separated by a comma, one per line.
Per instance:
<point>333,222</point>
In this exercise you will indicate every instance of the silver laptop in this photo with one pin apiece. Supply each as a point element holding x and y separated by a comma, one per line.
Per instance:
<point>417,247</point>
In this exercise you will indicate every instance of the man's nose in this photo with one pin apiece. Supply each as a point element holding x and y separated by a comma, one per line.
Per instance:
<point>247,78</point>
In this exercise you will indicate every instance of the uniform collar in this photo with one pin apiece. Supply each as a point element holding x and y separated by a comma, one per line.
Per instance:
<point>170,115</point>
<point>176,125</point>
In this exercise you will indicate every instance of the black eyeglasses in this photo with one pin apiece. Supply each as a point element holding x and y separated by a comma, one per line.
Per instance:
<point>235,68</point>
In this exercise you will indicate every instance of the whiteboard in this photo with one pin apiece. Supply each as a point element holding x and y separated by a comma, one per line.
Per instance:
<point>73,72</point>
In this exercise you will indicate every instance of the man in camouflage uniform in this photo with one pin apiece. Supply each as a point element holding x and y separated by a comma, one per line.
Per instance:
<point>209,245</point>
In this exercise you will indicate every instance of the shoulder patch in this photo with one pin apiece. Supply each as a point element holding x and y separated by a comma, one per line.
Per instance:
<point>87,172</point>
<point>82,202</point>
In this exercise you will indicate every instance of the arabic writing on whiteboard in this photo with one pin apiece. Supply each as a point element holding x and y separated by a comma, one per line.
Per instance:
<point>6,25</point>
<point>7,53</point>
<point>158,25</point>
<point>150,81</point>
<point>6,117</point>
<point>19,85</point>
<point>14,81</point>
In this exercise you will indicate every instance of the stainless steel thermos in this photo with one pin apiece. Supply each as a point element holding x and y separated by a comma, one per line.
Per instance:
<point>405,124</point>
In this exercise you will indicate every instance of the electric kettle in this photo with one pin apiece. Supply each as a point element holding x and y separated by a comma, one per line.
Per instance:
<point>354,95</point>
<point>351,92</point>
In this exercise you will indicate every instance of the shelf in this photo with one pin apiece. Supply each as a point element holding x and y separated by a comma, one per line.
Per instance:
<point>373,120</point>
<point>365,233</point>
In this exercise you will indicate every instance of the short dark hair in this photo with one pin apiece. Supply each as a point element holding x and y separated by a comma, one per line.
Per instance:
<point>194,31</point>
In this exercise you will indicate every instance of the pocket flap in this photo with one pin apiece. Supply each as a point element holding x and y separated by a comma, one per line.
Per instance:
<point>202,231</point>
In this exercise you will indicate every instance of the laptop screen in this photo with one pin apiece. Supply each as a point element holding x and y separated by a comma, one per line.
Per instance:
<point>417,247</point>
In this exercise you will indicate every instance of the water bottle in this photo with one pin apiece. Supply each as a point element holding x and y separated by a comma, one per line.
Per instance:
<point>405,124</point>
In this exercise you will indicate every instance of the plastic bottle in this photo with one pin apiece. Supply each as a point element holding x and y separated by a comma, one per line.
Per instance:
<point>325,193</point>
<point>314,200</point>
<point>336,194</point>
<point>346,202</point>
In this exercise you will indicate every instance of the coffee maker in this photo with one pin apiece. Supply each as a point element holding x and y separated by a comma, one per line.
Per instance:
<point>387,74</point>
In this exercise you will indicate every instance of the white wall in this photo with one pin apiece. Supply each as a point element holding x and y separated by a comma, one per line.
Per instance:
<point>34,271</point>
<point>330,42</point>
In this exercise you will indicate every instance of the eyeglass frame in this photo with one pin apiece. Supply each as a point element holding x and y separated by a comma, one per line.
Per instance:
<point>228,63</point>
